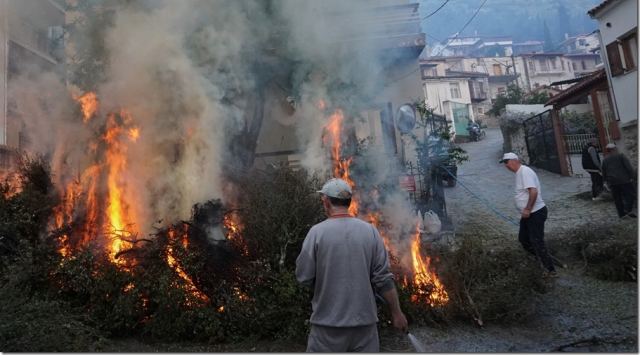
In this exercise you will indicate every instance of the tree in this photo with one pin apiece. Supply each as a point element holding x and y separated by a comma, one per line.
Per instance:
<point>515,95</point>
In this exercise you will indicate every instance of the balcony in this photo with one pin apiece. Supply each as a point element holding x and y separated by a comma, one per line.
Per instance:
<point>477,92</point>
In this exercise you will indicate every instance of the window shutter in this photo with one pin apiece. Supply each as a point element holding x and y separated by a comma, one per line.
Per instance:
<point>615,62</point>
<point>628,50</point>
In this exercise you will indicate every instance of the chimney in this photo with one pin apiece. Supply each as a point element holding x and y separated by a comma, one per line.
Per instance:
<point>566,35</point>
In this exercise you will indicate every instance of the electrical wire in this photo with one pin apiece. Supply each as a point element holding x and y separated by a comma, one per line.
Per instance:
<point>438,9</point>
<point>463,27</point>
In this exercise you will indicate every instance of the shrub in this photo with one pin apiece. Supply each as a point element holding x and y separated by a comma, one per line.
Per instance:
<point>487,285</point>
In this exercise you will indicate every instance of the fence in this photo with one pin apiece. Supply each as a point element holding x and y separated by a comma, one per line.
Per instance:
<point>576,142</point>
<point>541,144</point>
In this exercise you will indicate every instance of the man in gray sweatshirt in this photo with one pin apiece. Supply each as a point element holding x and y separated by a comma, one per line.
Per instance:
<point>344,260</point>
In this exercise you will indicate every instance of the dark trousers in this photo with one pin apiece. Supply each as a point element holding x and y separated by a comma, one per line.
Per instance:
<point>597,184</point>
<point>624,195</point>
<point>531,237</point>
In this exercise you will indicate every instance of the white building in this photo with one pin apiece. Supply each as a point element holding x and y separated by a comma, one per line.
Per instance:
<point>30,37</point>
<point>584,63</point>
<point>542,69</point>
<point>618,28</point>
<point>453,94</point>
<point>583,43</point>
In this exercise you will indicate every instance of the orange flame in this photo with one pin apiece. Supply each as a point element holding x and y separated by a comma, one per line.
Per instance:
<point>423,277</point>
<point>233,228</point>
<point>88,105</point>
<point>118,214</point>
<point>341,165</point>
<point>173,263</point>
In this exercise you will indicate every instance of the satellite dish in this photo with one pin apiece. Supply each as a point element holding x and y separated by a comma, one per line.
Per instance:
<point>406,118</point>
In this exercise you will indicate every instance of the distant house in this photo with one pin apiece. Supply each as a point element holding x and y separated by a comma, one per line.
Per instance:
<point>542,69</point>
<point>583,43</point>
<point>475,46</point>
<point>528,47</point>
<point>618,29</point>
<point>461,96</point>
<point>584,63</point>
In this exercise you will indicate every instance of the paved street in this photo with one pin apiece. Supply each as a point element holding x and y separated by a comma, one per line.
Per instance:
<point>491,181</point>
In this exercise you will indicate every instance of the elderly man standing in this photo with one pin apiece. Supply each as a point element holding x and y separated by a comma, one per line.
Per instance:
<point>591,164</point>
<point>533,211</point>
<point>620,176</point>
<point>344,259</point>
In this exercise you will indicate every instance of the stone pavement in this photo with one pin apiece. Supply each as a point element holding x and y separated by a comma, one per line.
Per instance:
<point>485,177</point>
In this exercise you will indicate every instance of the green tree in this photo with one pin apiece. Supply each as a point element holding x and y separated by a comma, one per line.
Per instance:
<point>515,95</point>
<point>548,41</point>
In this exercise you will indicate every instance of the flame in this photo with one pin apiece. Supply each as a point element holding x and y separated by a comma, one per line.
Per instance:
<point>424,278</point>
<point>173,263</point>
<point>105,215</point>
<point>118,213</point>
<point>341,166</point>
<point>88,105</point>
<point>221,309</point>
<point>233,228</point>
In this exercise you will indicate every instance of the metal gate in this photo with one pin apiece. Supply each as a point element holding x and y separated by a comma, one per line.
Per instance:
<point>541,143</point>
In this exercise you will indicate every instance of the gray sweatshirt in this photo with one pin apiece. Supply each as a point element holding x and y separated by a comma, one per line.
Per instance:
<point>343,259</point>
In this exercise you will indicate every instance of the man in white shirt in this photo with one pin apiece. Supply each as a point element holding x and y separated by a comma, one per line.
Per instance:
<point>533,211</point>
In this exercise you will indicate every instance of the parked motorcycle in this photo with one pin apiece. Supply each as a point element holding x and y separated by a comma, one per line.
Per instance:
<point>476,132</point>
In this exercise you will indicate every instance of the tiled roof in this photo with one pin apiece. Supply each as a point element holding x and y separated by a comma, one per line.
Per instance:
<point>593,12</point>
<point>585,83</point>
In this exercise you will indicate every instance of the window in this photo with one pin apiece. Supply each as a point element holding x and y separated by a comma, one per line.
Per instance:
<point>553,63</point>
<point>562,64</point>
<point>532,66</point>
<point>502,90</point>
<point>630,49</point>
<point>582,42</point>
<point>623,54</point>
<point>544,66</point>
<point>497,69</point>
<point>584,65</point>
<point>455,90</point>
<point>615,61</point>
<point>573,65</point>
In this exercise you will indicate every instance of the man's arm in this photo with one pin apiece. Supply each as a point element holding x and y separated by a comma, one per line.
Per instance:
<point>306,262</point>
<point>533,195</point>
<point>627,165</point>
<point>398,318</point>
<point>382,280</point>
<point>594,156</point>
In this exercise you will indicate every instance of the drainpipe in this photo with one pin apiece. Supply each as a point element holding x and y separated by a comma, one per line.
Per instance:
<point>607,68</point>
<point>5,70</point>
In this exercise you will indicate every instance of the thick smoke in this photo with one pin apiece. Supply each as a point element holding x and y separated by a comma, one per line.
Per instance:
<point>191,74</point>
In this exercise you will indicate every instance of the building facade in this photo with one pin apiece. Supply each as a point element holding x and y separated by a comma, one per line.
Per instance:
<point>31,39</point>
<point>618,30</point>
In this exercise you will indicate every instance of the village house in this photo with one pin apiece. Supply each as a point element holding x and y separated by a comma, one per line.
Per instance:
<point>528,47</point>
<point>618,30</point>
<point>30,38</point>
<point>461,96</point>
<point>542,69</point>
<point>583,43</point>
<point>584,63</point>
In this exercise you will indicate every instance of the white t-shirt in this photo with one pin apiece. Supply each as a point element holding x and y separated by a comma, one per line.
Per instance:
<point>526,178</point>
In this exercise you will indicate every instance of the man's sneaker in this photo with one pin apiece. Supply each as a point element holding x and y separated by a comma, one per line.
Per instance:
<point>550,274</point>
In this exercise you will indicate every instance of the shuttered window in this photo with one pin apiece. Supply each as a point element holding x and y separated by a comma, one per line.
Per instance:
<point>615,61</point>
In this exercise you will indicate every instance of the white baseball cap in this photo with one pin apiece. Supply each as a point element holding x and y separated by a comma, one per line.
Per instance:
<point>508,156</point>
<point>336,188</point>
<point>610,146</point>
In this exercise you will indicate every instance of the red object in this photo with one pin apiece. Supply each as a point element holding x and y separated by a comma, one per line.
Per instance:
<point>408,183</point>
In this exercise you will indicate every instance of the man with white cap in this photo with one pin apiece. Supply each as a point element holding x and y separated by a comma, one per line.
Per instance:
<point>533,211</point>
<point>620,176</point>
<point>344,260</point>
